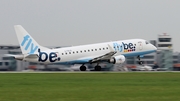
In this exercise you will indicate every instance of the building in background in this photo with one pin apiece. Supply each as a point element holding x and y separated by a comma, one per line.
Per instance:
<point>165,51</point>
<point>7,63</point>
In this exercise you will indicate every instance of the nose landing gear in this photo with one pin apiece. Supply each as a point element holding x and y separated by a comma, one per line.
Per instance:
<point>139,62</point>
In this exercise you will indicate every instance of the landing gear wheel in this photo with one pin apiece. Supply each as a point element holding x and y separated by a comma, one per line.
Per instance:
<point>140,62</point>
<point>83,68</point>
<point>97,68</point>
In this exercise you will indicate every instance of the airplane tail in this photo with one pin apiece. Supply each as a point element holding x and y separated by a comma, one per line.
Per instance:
<point>27,44</point>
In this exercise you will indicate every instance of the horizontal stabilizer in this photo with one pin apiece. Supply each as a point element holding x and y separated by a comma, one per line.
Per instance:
<point>18,57</point>
<point>32,56</point>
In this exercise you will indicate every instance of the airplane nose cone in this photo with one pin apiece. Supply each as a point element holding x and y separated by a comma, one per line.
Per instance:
<point>154,47</point>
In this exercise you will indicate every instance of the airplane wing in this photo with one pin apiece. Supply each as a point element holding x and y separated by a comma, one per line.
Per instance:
<point>105,56</point>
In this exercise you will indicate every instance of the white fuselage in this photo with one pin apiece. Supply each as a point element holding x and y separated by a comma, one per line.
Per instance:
<point>83,53</point>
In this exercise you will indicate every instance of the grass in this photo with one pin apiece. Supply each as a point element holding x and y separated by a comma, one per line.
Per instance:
<point>90,87</point>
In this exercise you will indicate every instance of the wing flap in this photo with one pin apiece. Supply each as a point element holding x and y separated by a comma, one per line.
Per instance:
<point>105,56</point>
<point>18,57</point>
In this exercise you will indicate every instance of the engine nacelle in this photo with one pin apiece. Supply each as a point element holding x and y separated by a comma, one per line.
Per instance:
<point>117,59</point>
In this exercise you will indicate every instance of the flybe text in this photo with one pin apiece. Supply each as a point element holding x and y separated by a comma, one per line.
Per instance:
<point>29,44</point>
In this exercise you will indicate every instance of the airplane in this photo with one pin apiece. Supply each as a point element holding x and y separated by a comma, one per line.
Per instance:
<point>112,52</point>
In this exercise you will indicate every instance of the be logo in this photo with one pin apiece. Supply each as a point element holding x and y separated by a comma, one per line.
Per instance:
<point>52,56</point>
<point>127,47</point>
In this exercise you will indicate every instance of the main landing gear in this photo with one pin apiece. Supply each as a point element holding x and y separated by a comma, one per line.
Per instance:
<point>83,68</point>
<point>96,68</point>
<point>139,62</point>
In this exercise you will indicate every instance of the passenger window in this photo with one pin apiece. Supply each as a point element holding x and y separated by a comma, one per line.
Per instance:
<point>106,47</point>
<point>62,53</point>
<point>91,49</point>
<point>88,50</point>
<point>84,50</point>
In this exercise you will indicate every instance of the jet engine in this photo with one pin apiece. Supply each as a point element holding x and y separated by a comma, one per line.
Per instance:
<point>117,59</point>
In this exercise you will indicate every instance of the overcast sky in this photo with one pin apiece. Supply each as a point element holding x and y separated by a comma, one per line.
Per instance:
<point>77,22</point>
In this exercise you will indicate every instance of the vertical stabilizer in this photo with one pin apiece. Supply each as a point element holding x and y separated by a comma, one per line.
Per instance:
<point>27,43</point>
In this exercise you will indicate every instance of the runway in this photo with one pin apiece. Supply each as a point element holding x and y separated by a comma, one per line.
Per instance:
<point>89,71</point>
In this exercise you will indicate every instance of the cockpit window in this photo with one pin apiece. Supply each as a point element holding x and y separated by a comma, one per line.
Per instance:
<point>147,42</point>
